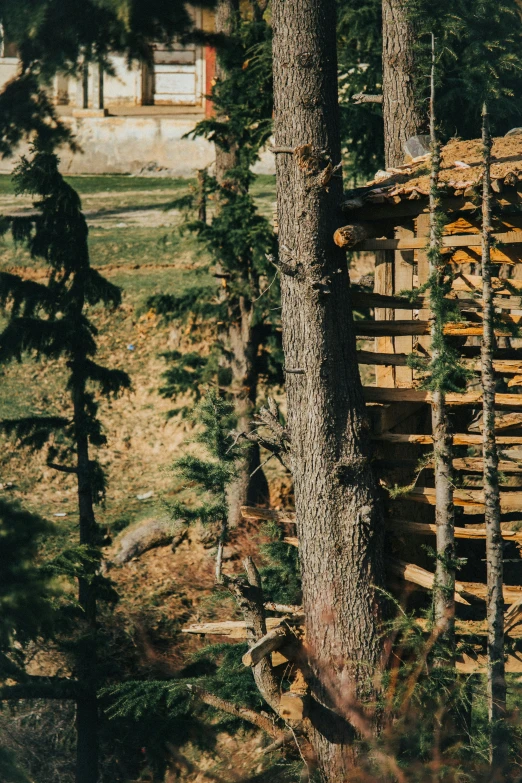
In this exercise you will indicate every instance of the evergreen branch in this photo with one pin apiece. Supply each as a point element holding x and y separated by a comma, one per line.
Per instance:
<point>262,722</point>
<point>111,381</point>
<point>24,297</point>
<point>33,431</point>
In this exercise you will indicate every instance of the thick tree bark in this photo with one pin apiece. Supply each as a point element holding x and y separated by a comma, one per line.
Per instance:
<point>494,544</point>
<point>338,518</point>
<point>87,705</point>
<point>444,588</point>
<point>402,117</point>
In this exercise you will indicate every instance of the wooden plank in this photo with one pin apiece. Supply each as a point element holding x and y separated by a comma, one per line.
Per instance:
<point>383,285</point>
<point>503,366</point>
<point>256,512</point>
<point>403,281</point>
<point>467,664</point>
<point>374,394</point>
<point>476,465</point>
<point>425,529</point>
<point>459,439</point>
<point>269,643</point>
<point>369,300</point>
<point>233,629</point>
<point>410,242</point>
<point>465,282</point>
<point>467,498</point>
<point>401,328</point>
<point>411,572</point>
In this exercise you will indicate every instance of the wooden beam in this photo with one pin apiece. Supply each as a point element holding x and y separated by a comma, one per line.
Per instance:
<point>503,366</point>
<point>419,243</point>
<point>467,499</point>
<point>367,328</point>
<point>272,641</point>
<point>501,286</point>
<point>233,629</point>
<point>374,394</point>
<point>467,664</point>
<point>459,439</point>
<point>425,529</point>
<point>255,512</point>
<point>367,299</point>
<point>463,590</point>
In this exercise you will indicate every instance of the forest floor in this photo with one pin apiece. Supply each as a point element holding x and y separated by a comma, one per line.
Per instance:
<point>135,241</point>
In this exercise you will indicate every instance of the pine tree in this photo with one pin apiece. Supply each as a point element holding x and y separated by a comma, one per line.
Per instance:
<point>479,43</point>
<point>62,329</point>
<point>239,242</point>
<point>337,508</point>
<point>474,38</point>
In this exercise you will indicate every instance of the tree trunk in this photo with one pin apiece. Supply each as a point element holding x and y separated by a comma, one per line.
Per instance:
<point>494,548</point>
<point>444,588</point>
<point>227,14</point>
<point>338,518</point>
<point>240,337</point>
<point>402,117</point>
<point>250,487</point>
<point>87,706</point>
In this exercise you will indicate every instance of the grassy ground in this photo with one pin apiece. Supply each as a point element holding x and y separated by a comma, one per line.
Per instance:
<point>135,241</point>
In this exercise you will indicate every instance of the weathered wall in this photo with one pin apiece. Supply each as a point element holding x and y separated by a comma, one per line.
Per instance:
<point>136,145</point>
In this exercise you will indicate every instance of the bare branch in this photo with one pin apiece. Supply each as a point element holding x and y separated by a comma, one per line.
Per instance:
<point>362,97</point>
<point>263,722</point>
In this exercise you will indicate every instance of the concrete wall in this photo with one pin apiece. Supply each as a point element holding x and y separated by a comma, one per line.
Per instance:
<point>137,145</point>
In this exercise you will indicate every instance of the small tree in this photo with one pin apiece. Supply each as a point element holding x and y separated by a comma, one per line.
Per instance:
<point>62,329</point>
<point>243,312</point>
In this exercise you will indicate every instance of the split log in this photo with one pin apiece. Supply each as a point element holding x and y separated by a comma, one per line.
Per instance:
<point>426,529</point>
<point>355,233</point>
<point>370,299</point>
<point>419,576</point>
<point>459,439</point>
<point>503,366</point>
<point>467,499</point>
<point>468,664</point>
<point>419,243</point>
<point>399,328</point>
<point>463,590</point>
<point>233,629</point>
<point>269,514</point>
<point>385,395</point>
<point>272,641</point>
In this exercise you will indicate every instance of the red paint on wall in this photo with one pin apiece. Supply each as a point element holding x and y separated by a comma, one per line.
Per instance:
<point>210,76</point>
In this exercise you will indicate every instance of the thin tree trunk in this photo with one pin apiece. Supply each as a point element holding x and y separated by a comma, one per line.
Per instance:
<point>227,14</point>
<point>338,518</point>
<point>402,117</point>
<point>87,706</point>
<point>240,334</point>
<point>494,548</point>
<point>250,487</point>
<point>444,589</point>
